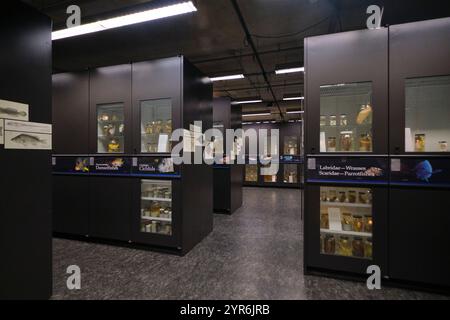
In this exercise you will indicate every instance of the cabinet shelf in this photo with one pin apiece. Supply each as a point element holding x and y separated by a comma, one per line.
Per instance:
<point>111,122</point>
<point>347,127</point>
<point>112,136</point>
<point>345,204</point>
<point>347,233</point>
<point>154,134</point>
<point>156,219</point>
<point>156,199</point>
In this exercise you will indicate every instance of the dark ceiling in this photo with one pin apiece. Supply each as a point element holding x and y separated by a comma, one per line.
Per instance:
<point>214,38</point>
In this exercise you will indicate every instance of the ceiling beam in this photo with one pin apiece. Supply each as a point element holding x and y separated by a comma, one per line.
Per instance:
<point>255,51</point>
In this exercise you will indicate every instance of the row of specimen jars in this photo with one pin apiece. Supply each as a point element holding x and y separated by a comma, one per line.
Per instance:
<point>364,116</point>
<point>347,142</point>
<point>156,210</point>
<point>350,196</point>
<point>349,222</point>
<point>346,246</point>
<point>156,227</point>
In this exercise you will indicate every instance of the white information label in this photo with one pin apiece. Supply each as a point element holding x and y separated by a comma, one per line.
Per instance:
<point>135,162</point>
<point>323,145</point>
<point>396,165</point>
<point>163,143</point>
<point>409,144</point>
<point>334,218</point>
<point>311,163</point>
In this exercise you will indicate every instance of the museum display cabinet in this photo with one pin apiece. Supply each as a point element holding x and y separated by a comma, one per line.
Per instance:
<point>377,153</point>
<point>25,208</point>
<point>419,93</point>
<point>289,151</point>
<point>228,176</point>
<point>128,187</point>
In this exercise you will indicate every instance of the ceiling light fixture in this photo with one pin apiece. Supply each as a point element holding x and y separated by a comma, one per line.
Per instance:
<point>295,112</point>
<point>148,15</point>
<point>232,77</point>
<point>293,98</point>
<point>290,70</point>
<point>246,102</point>
<point>257,114</point>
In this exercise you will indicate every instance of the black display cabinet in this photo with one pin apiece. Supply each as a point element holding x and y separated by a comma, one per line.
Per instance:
<point>133,192</point>
<point>347,171</point>
<point>402,129</point>
<point>110,112</point>
<point>70,92</point>
<point>419,79</point>
<point>289,152</point>
<point>25,181</point>
<point>346,217</point>
<point>228,178</point>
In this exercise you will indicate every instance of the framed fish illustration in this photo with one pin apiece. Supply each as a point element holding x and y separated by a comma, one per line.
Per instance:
<point>22,126</point>
<point>14,110</point>
<point>2,129</point>
<point>27,140</point>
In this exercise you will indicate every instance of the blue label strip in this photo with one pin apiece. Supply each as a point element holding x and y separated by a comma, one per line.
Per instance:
<point>365,182</point>
<point>172,176</point>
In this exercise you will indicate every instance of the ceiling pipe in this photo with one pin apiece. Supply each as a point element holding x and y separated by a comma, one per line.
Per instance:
<point>294,84</point>
<point>255,51</point>
<point>245,55</point>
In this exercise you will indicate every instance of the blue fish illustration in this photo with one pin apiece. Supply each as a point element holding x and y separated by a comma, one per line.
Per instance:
<point>424,170</point>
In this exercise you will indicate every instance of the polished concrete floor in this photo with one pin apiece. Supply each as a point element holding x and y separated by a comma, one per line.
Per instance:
<point>254,254</point>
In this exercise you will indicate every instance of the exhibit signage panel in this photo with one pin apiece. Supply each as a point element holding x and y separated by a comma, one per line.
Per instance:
<point>348,169</point>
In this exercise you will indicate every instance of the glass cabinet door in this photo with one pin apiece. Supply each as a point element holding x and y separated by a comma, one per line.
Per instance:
<point>251,173</point>
<point>290,173</point>
<point>156,207</point>
<point>291,145</point>
<point>346,117</point>
<point>110,128</point>
<point>156,125</point>
<point>427,114</point>
<point>346,224</point>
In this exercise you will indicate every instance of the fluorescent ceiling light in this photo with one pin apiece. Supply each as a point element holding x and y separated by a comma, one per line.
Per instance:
<point>293,98</point>
<point>148,15</point>
<point>290,70</point>
<point>294,112</point>
<point>246,102</point>
<point>257,114</point>
<point>232,77</point>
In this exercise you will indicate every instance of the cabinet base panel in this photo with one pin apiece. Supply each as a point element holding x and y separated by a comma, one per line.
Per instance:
<point>392,283</point>
<point>275,186</point>
<point>117,243</point>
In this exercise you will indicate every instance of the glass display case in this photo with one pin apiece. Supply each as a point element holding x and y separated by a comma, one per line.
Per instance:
<point>346,224</point>
<point>346,117</point>
<point>291,145</point>
<point>110,128</point>
<point>427,114</point>
<point>218,142</point>
<point>290,173</point>
<point>156,125</point>
<point>251,173</point>
<point>156,207</point>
